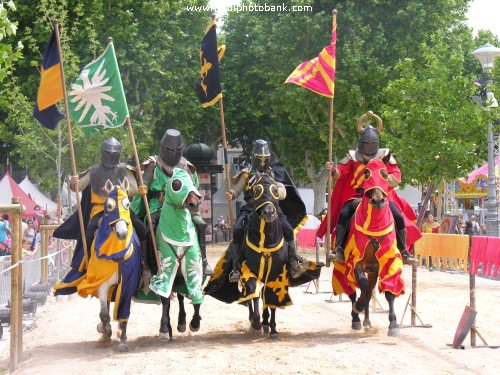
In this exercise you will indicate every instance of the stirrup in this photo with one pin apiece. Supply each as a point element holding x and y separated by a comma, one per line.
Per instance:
<point>207,270</point>
<point>234,276</point>
<point>339,254</point>
<point>408,258</point>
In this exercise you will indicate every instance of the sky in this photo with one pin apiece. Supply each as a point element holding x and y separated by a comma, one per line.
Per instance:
<point>483,14</point>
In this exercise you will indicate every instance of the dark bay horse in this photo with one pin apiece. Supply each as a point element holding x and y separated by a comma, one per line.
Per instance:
<point>264,271</point>
<point>115,263</point>
<point>371,251</point>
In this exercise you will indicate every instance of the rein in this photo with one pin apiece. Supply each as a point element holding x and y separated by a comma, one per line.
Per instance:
<point>375,242</point>
<point>175,206</point>
<point>179,258</point>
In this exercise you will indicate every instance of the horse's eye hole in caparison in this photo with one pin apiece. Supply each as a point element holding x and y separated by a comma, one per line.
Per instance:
<point>176,185</point>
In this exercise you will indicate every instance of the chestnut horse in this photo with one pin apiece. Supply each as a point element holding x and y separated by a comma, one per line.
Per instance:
<point>371,251</point>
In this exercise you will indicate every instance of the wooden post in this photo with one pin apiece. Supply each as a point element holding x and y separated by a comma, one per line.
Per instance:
<point>71,150</point>
<point>472,295</point>
<point>43,252</point>
<point>16,301</point>
<point>413,293</point>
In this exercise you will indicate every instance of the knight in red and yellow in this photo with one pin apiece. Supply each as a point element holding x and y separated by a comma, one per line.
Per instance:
<point>348,191</point>
<point>371,223</point>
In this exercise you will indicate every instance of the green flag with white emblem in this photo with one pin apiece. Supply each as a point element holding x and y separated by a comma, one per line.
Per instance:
<point>96,99</point>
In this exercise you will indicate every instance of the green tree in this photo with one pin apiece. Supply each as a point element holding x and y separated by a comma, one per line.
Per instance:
<point>374,39</point>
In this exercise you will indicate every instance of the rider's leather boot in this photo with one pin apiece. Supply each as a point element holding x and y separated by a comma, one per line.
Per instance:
<point>297,264</point>
<point>202,228</point>
<point>146,273</point>
<point>401,243</point>
<point>235,274</point>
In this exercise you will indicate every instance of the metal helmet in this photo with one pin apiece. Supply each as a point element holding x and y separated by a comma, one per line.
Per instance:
<point>171,147</point>
<point>369,142</point>
<point>260,155</point>
<point>111,151</point>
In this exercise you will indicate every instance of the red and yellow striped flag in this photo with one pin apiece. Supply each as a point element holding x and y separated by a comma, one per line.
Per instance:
<point>318,74</point>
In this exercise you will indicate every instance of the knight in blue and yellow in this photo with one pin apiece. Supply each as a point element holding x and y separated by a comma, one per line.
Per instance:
<point>91,183</point>
<point>157,171</point>
<point>244,181</point>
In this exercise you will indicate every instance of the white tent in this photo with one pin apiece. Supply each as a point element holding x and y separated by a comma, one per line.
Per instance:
<point>39,198</point>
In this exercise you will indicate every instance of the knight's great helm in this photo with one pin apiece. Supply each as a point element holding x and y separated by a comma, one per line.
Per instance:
<point>171,147</point>
<point>368,144</point>
<point>111,151</point>
<point>260,155</point>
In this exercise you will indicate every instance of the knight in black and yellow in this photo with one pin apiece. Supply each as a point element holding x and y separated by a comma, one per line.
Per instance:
<point>244,181</point>
<point>157,171</point>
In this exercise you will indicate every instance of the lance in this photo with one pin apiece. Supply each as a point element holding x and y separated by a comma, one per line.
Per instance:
<point>224,148</point>
<point>71,149</point>
<point>330,156</point>
<point>141,182</point>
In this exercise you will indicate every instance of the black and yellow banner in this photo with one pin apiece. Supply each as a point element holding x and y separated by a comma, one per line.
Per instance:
<point>50,90</point>
<point>208,88</point>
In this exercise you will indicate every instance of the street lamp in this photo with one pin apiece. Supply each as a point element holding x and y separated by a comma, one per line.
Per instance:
<point>486,55</point>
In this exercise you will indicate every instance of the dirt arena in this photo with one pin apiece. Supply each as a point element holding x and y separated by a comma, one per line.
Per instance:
<point>315,336</point>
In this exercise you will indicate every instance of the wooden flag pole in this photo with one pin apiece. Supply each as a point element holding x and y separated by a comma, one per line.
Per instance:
<point>71,149</point>
<point>141,182</point>
<point>145,198</point>
<point>226,162</point>
<point>330,156</point>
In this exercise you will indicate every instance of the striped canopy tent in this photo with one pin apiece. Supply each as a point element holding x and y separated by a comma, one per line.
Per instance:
<point>9,188</point>
<point>476,184</point>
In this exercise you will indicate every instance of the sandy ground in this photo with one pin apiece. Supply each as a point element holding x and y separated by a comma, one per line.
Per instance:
<point>315,336</point>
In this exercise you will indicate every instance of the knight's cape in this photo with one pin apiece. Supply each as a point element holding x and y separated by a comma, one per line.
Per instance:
<point>70,230</point>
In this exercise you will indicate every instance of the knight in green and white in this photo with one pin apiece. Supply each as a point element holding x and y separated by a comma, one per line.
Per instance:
<point>157,172</point>
<point>177,239</point>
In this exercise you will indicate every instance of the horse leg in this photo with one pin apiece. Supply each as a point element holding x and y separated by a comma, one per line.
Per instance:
<point>250,311</point>
<point>265,321</point>
<point>255,321</point>
<point>372,281</point>
<point>122,346</point>
<point>181,322</point>
<point>360,305</point>
<point>393,325</point>
<point>165,327</point>
<point>104,326</point>
<point>356,322</point>
<point>194,325</point>
<point>272,324</point>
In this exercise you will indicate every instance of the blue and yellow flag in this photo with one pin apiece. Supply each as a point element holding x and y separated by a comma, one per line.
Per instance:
<point>50,90</point>
<point>208,88</point>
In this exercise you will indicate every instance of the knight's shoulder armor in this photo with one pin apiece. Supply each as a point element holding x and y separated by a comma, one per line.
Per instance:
<point>351,155</point>
<point>245,172</point>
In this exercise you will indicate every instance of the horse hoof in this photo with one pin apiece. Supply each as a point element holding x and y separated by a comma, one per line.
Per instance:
<point>393,332</point>
<point>356,326</point>
<point>257,327</point>
<point>164,336</point>
<point>181,328</point>
<point>122,347</point>
<point>273,336</point>
<point>367,325</point>
<point>265,329</point>
<point>193,328</point>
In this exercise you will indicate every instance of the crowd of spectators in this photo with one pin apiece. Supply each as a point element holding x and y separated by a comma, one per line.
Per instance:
<point>222,230</point>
